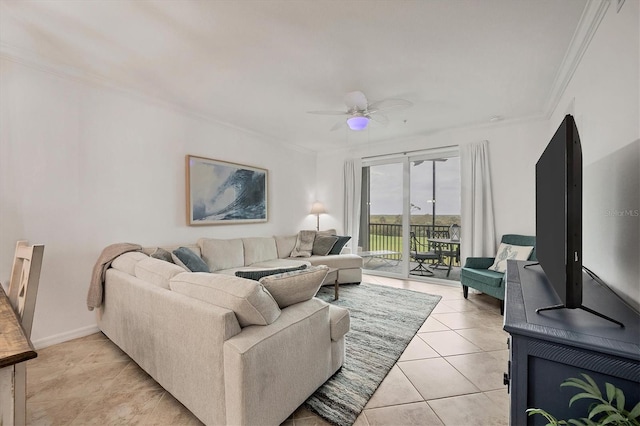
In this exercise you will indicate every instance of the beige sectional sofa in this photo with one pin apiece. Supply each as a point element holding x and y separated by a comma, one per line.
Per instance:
<point>227,256</point>
<point>232,350</point>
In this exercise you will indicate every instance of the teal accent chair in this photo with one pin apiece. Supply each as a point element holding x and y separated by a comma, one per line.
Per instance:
<point>476,273</point>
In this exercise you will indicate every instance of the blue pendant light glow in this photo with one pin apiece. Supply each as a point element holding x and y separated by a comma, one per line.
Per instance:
<point>359,122</point>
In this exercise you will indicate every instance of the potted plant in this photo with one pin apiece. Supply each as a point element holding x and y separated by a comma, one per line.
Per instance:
<point>608,409</point>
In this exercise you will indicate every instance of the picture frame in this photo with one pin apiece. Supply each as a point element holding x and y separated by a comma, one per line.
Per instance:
<point>221,193</point>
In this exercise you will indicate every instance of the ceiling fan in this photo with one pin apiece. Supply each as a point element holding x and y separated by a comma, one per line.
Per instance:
<point>360,111</point>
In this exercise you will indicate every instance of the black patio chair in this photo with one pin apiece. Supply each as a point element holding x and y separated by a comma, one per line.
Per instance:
<point>420,253</point>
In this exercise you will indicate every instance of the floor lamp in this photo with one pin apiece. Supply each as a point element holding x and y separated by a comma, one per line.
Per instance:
<point>317,208</point>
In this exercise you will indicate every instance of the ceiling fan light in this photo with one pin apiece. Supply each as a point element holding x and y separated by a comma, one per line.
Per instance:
<point>357,122</point>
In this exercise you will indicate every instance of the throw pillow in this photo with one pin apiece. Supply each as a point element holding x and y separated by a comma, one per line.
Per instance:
<point>342,241</point>
<point>323,244</point>
<point>509,252</point>
<point>304,244</point>
<point>257,274</point>
<point>162,254</point>
<point>295,287</point>
<point>190,260</point>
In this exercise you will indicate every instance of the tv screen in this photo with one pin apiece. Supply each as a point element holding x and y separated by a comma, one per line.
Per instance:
<point>559,213</point>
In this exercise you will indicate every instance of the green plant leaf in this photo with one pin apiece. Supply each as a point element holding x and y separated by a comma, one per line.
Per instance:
<point>581,384</point>
<point>583,395</point>
<point>613,418</point>
<point>611,391</point>
<point>601,408</point>
<point>533,411</point>
<point>593,384</point>
<point>576,422</point>
<point>620,401</point>
<point>635,411</point>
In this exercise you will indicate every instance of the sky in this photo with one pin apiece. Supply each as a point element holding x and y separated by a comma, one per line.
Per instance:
<point>386,188</point>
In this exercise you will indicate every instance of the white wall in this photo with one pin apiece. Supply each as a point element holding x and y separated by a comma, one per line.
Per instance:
<point>83,166</point>
<point>513,151</point>
<point>604,97</point>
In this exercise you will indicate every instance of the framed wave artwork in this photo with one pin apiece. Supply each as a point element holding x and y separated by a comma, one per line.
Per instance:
<point>221,193</point>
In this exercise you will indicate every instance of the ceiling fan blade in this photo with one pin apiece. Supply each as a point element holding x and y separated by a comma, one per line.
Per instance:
<point>339,125</point>
<point>356,99</point>
<point>387,104</point>
<point>328,112</point>
<point>380,119</point>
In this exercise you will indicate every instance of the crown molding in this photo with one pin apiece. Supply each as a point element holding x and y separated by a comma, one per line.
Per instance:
<point>590,20</point>
<point>31,60</point>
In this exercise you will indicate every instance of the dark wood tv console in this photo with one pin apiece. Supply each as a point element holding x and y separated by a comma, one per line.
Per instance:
<point>549,347</point>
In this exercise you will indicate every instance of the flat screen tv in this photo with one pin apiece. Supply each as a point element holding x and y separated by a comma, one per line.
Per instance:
<point>559,213</point>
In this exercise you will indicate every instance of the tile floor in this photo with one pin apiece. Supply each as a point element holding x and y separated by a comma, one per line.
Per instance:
<point>451,374</point>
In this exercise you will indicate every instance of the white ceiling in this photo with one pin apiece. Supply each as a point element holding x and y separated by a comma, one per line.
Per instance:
<point>261,64</point>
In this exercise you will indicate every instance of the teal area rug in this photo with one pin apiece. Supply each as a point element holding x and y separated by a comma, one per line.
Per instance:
<point>383,322</point>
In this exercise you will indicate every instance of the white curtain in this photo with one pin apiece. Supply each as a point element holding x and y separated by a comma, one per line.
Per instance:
<point>478,228</point>
<point>352,181</point>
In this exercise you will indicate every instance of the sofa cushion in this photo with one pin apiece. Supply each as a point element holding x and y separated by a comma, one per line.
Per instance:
<point>484,276</point>
<point>127,262</point>
<point>249,300</point>
<point>344,261</point>
<point>285,244</point>
<point>295,287</point>
<point>323,244</point>
<point>338,246</point>
<point>190,260</point>
<point>156,271</point>
<point>256,274</point>
<point>508,252</point>
<point>259,249</point>
<point>304,244</point>
<point>222,254</point>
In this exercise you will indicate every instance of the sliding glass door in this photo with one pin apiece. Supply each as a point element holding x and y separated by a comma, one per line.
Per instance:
<point>381,233</point>
<point>409,204</point>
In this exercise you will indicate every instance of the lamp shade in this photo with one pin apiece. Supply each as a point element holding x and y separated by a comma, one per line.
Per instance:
<point>317,208</point>
<point>358,122</point>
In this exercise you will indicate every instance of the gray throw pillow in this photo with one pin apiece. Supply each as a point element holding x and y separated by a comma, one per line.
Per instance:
<point>342,241</point>
<point>162,254</point>
<point>257,274</point>
<point>323,244</point>
<point>191,261</point>
<point>304,244</point>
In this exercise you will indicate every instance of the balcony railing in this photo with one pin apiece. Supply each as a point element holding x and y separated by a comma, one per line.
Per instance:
<point>383,236</point>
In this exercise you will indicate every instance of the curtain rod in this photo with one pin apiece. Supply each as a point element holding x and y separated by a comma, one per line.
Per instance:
<point>404,153</point>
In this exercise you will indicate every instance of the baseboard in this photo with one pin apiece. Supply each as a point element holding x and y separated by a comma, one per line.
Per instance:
<point>64,337</point>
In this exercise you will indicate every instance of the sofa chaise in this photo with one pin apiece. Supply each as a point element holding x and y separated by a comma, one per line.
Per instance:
<point>234,351</point>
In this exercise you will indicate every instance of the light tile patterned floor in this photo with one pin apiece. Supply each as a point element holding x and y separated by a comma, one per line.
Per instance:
<point>451,374</point>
